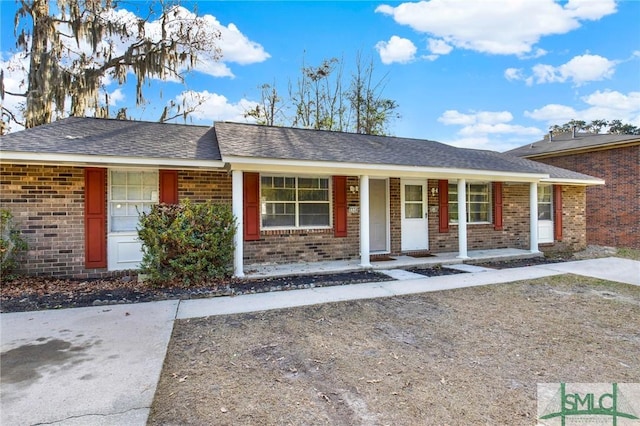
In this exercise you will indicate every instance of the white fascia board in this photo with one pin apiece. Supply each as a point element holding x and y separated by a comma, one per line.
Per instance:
<point>579,182</point>
<point>104,160</point>
<point>376,170</point>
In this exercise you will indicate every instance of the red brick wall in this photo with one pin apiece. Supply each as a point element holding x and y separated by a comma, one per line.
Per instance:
<point>515,232</point>
<point>47,203</point>
<point>613,210</point>
<point>292,246</point>
<point>200,186</point>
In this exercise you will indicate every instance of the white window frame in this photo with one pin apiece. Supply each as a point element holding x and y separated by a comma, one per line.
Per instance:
<point>297,202</point>
<point>542,188</point>
<point>469,202</point>
<point>110,200</point>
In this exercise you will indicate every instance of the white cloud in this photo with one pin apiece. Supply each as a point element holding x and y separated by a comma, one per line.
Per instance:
<point>116,96</point>
<point>580,69</point>
<point>607,105</point>
<point>439,47</point>
<point>214,107</point>
<point>487,129</point>
<point>496,26</point>
<point>397,49</point>
<point>512,74</point>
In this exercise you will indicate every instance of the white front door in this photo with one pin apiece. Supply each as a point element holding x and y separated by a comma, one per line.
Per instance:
<point>414,215</point>
<point>545,214</point>
<point>378,222</point>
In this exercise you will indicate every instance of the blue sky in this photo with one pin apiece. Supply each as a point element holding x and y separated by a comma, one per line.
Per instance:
<point>483,74</point>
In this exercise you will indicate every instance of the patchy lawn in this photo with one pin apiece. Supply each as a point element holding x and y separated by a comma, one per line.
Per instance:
<point>467,356</point>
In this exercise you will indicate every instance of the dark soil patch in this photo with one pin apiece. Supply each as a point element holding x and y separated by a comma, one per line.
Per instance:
<point>518,263</point>
<point>434,271</point>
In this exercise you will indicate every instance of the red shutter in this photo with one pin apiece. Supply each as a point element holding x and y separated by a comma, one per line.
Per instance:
<point>497,206</point>
<point>443,205</point>
<point>557,212</point>
<point>340,206</point>
<point>169,186</point>
<point>95,218</point>
<point>251,209</point>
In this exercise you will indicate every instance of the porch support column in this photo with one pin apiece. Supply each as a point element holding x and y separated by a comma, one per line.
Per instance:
<point>365,260</point>
<point>238,211</point>
<point>533,219</point>
<point>462,219</point>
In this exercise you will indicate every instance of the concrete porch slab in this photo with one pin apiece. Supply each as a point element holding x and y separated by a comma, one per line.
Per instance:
<point>330,267</point>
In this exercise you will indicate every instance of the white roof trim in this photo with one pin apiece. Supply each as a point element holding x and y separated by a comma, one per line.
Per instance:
<point>378,170</point>
<point>83,159</point>
<point>568,181</point>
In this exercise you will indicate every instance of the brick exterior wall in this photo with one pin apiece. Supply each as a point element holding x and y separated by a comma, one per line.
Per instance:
<point>613,210</point>
<point>200,186</point>
<point>47,203</point>
<point>515,232</point>
<point>48,207</point>
<point>313,245</point>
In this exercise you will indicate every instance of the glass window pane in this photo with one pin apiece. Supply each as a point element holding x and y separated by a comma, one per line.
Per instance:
<point>134,178</point>
<point>150,179</point>
<point>544,212</point>
<point>413,210</point>
<point>413,192</point>
<point>118,209</point>
<point>118,192</point>
<point>313,195</point>
<point>134,193</point>
<point>118,178</point>
<point>316,214</point>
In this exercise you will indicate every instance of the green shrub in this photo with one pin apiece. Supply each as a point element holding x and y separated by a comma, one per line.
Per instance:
<point>188,242</point>
<point>11,244</point>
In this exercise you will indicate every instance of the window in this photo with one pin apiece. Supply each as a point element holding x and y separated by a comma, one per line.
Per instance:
<point>131,193</point>
<point>413,203</point>
<point>544,202</point>
<point>478,202</point>
<point>294,202</point>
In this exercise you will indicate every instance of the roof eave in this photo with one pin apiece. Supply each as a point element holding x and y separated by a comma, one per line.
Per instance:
<point>577,182</point>
<point>270,165</point>
<point>107,160</point>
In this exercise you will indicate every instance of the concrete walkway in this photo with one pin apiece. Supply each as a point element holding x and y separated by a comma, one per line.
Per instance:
<point>100,366</point>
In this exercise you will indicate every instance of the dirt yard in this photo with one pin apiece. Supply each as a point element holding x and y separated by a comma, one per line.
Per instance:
<point>465,357</point>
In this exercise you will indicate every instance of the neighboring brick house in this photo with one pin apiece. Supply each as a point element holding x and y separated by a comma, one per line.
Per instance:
<point>613,209</point>
<point>75,187</point>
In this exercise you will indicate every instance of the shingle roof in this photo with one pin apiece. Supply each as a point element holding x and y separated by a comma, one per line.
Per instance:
<point>137,139</point>
<point>122,138</point>
<point>253,141</point>
<point>565,142</point>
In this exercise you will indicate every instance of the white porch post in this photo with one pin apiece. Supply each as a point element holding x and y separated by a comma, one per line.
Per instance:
<point>533,220</point>
<point>365,259</point>
<point>237,208</point>
<point>462,219</point>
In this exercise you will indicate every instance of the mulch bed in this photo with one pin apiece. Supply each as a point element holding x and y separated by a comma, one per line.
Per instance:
<point>39,293</point>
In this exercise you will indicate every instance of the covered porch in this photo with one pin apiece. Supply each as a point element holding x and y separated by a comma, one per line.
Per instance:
<point>385,262</point>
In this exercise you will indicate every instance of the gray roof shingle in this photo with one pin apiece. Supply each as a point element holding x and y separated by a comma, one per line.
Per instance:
<point>121,138</point>
<point>253,141</point>
<point>565,142</point>
<point>137,139</point>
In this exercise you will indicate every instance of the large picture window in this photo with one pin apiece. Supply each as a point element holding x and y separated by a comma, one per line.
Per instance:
<point>131,193</point>
<point>478,202</point>
<point>294,202</point>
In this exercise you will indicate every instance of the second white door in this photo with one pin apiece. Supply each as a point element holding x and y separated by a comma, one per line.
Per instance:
<point>414,216</point>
